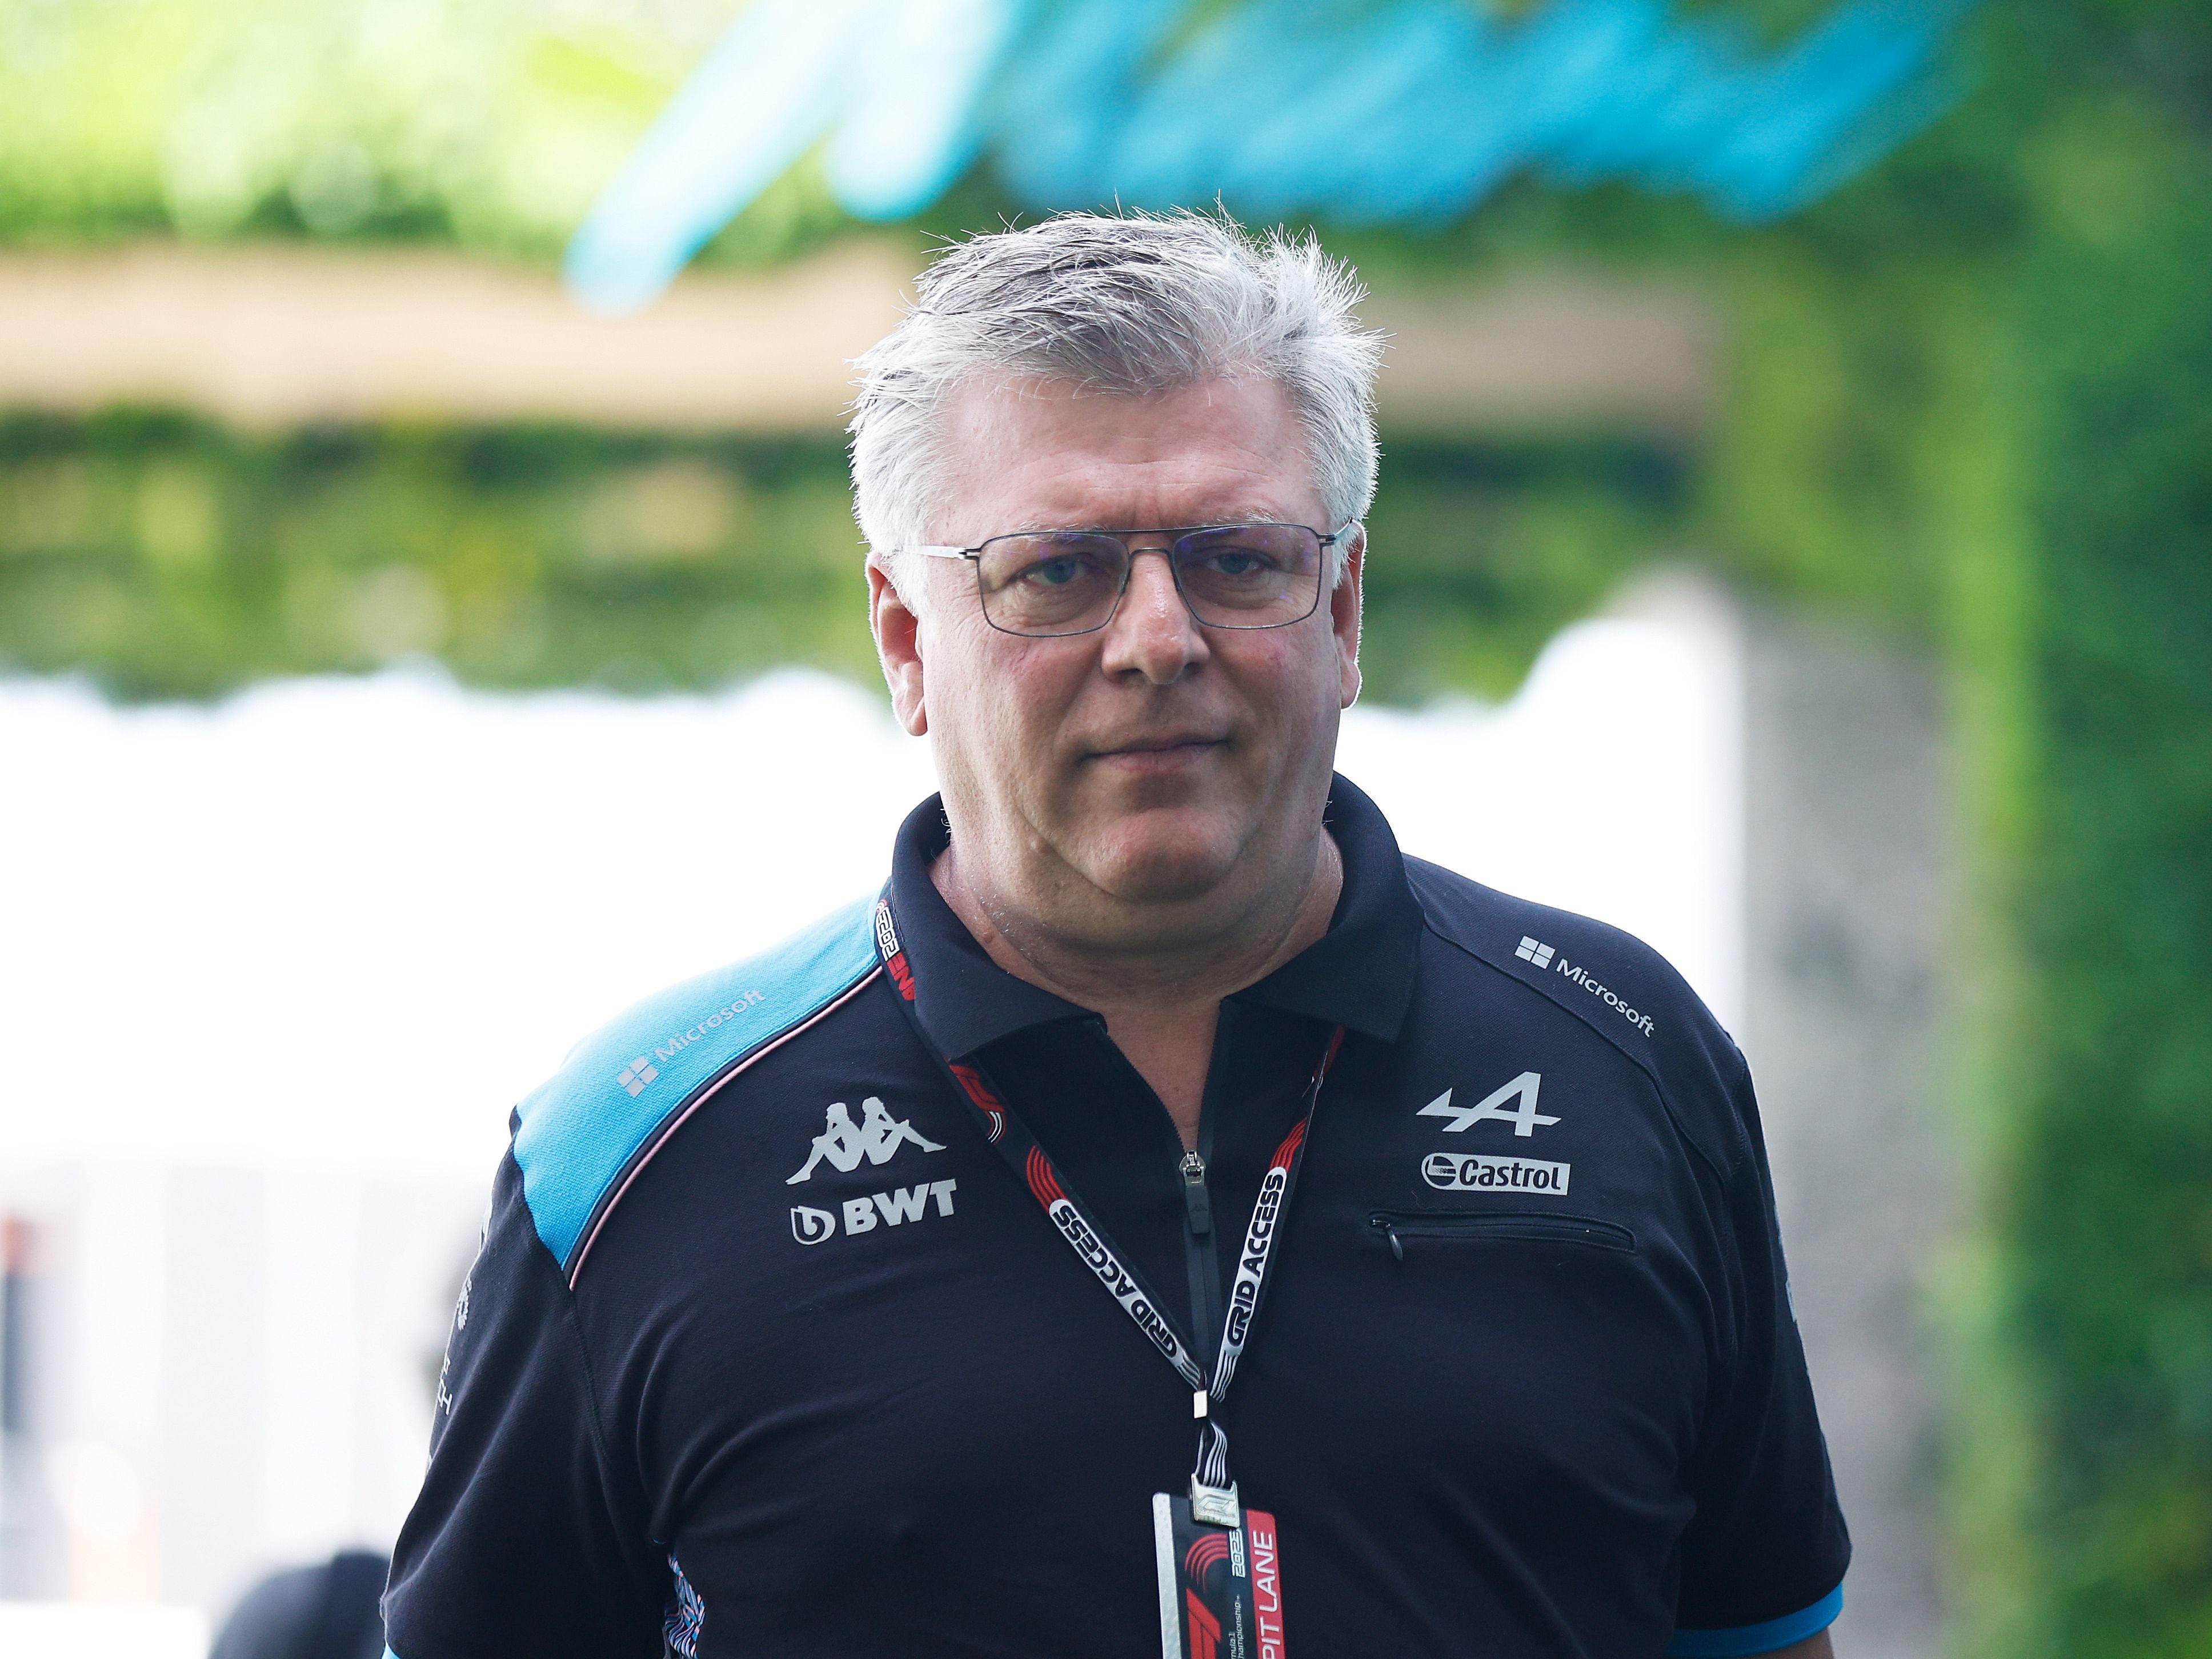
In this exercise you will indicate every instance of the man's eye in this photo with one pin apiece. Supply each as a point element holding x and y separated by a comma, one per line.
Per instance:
<point>1238,561</point>
<point>1055,572</point>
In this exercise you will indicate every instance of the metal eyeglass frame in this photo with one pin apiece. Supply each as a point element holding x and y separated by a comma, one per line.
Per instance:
<point>974,555</point>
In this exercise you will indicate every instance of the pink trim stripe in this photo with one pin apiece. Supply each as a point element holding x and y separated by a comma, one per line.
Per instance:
<point>715,1088</point>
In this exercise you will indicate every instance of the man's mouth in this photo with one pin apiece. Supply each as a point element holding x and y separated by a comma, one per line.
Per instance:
<point>1160,753</point>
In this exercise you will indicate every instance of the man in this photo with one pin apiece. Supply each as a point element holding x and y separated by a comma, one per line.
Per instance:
<point>1166,1219</point>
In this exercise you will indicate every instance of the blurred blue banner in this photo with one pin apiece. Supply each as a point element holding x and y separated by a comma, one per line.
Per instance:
<point>1357,113</point>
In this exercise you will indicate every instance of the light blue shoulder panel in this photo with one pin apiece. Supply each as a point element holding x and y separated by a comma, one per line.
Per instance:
<point>579,1131</point>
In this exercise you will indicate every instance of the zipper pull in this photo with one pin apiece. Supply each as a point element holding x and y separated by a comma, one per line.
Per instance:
<point>1196,1199</point>
<point>1391,1233</point>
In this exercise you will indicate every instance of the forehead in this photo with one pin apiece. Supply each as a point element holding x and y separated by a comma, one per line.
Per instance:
<point>1035,455</point>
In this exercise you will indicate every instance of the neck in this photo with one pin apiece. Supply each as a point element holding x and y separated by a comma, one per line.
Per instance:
<point>1161,1002</point>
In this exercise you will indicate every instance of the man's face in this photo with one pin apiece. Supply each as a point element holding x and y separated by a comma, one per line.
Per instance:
<point>1153,763</point>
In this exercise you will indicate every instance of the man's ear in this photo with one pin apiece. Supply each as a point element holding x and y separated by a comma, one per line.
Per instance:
<point>898,629</point>
<point>1344,601</point>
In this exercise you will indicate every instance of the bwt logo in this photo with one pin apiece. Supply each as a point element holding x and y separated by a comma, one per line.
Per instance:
<point>635,1076</point>
<point>1530,950</point>
<point>864,1215</point>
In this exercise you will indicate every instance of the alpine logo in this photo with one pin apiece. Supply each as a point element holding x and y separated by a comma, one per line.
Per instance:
<point>864,1215</point>
<point>635,1076</point>
<point>1524,1117</point>
<point>1542,956</point>
<point>875,1138</point>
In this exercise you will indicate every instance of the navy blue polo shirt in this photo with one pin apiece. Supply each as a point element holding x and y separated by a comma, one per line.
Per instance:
<point>768,1353</point>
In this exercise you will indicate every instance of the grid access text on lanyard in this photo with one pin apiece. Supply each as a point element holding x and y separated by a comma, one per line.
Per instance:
<point>1213,1493</point>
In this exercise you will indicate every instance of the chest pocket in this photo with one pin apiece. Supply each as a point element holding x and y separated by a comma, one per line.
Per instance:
<point>1405,1230</point>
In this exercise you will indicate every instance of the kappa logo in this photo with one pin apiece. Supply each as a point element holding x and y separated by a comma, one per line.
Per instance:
<point>875,1138</point>
<point>1524,1117</point>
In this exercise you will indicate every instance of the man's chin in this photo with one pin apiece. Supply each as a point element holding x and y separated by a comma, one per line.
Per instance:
<point>1168,888</point>
<point>1161,867</point>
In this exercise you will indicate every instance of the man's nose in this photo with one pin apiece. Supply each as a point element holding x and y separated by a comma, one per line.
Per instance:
<point>1153,632</point>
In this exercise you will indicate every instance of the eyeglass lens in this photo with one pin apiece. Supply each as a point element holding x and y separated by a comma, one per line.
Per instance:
<point>1250,575</point>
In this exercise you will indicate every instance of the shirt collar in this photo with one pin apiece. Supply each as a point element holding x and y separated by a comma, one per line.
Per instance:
<point>1359,974</point>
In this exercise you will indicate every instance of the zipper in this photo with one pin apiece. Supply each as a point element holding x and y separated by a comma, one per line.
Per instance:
<point>1197,1202</point>
<point>1201,1265</point>
<point>1199,1256</point>
<point>1399,1227</point>
<point>1200,1235</point>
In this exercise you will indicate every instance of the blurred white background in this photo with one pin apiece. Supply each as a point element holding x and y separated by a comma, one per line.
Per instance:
<point>272,972</point>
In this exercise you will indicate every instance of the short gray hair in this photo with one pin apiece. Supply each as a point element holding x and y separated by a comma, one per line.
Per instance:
<point>1133,304</point>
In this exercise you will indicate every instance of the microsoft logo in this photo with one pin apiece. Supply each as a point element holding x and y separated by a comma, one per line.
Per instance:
<point>1530,952</point>
<point>635,1076</point>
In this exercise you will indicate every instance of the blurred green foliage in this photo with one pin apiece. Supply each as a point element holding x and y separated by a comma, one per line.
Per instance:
<point>167,558</point>
<point>1978,384</point>
<point>1970,395</point>
<point>492,122</point>
<point>2106,1214</point>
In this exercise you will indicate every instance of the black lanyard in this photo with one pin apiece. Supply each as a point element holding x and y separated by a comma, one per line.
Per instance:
<point>1071,1219</point>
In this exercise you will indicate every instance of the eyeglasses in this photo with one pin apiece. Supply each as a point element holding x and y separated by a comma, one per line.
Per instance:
<point>1048,584</point>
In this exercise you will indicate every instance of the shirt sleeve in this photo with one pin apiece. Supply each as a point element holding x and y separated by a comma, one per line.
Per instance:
<point>1763,1558</point>
<point>525,1537</point>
